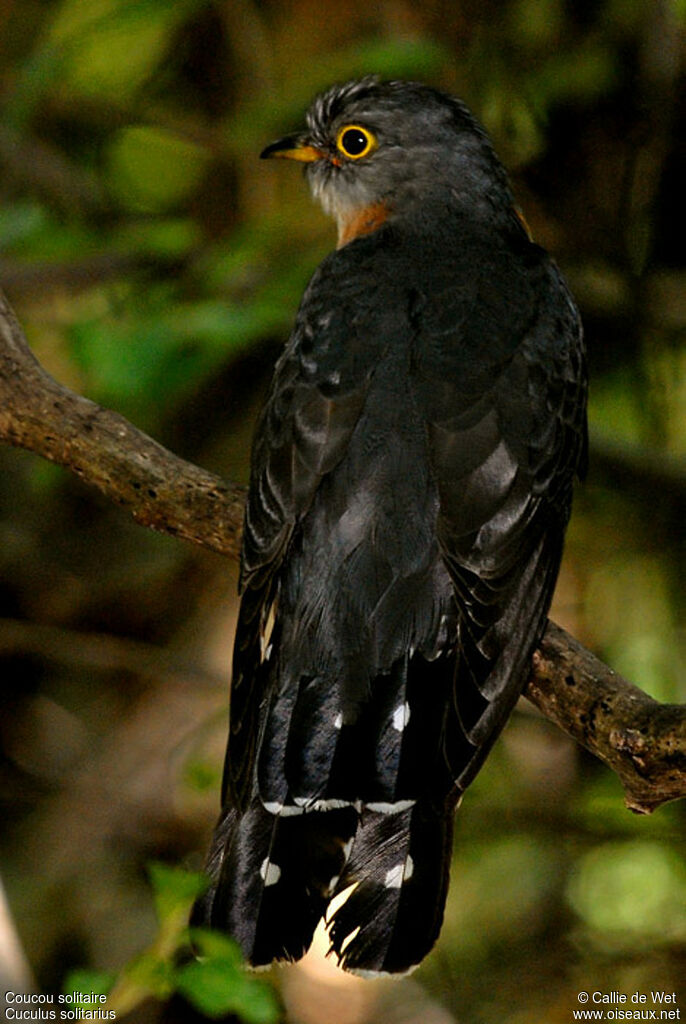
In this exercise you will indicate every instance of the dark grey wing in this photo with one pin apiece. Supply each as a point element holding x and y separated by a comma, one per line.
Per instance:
<point>273,866</point>
<point>500,375</point>
<point>316,397</point>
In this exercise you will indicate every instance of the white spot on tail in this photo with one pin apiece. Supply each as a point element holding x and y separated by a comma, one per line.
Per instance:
<point>305,804</point>
<point>328,805</point>
<point>270,873</point>
<point>338,721</point>
<point>401,716</point>
<point>289,811</point>
<point>394,877</point>
<point>399,874</point>
<point>383,808</point>
<point>285,810</point>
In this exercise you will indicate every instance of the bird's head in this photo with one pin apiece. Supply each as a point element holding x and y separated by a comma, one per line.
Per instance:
<point>374,150</point>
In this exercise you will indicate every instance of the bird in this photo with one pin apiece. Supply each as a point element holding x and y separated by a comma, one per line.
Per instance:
<point>411,481</point>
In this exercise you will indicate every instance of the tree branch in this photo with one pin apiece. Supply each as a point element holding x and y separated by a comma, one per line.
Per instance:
<point>159,489</point>
<point>643,741</point>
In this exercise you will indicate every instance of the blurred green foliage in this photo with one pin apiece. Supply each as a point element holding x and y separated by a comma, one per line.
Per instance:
<point>631,894</point>
<point>156,266</point>
<point>210,974</point>
<point>217,982</point>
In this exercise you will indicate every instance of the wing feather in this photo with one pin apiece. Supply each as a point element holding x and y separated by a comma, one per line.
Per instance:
<point>315,401</point>
<point>506,430</point>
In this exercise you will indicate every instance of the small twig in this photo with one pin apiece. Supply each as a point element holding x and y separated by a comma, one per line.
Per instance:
<point>643,741</point>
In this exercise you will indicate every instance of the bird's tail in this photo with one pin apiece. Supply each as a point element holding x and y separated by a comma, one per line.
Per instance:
<point>273,877</point>
<point>380,821</point>
<point>399,869</point>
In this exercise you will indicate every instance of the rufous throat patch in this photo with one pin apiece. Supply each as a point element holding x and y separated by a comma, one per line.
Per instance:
<point>361,222</point>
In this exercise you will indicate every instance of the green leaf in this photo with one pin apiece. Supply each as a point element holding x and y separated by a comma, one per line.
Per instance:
<point>83,982</point>
<point>174,889</point>
<point>217,987</point>
<point>216,945</point>
<point>257,1002</point>
<point>151,973</point>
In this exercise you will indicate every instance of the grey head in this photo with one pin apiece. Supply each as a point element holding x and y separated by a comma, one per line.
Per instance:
<point>390,146</point>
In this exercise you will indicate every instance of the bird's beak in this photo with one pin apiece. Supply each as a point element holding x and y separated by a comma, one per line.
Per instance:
<point>293,147</point>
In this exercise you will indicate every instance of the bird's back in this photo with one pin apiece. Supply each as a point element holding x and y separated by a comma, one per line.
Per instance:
<point>411,483</point>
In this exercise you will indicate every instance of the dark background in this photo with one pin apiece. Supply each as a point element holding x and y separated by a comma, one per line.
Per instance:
<point>156,266</point>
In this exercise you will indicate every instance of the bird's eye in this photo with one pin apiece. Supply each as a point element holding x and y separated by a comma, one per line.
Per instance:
<point>354,141</point>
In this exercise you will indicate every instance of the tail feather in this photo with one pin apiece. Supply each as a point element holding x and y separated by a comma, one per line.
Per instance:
<point>313,753</point>
<point>400,869</point>
<point>276,866</point>
<point>360,797</point>
<point>273,877</point>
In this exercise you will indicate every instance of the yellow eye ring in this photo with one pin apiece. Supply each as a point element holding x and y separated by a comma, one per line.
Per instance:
<point>354,141</point>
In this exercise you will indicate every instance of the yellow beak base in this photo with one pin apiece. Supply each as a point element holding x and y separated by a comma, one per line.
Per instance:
<point>291,149</point>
